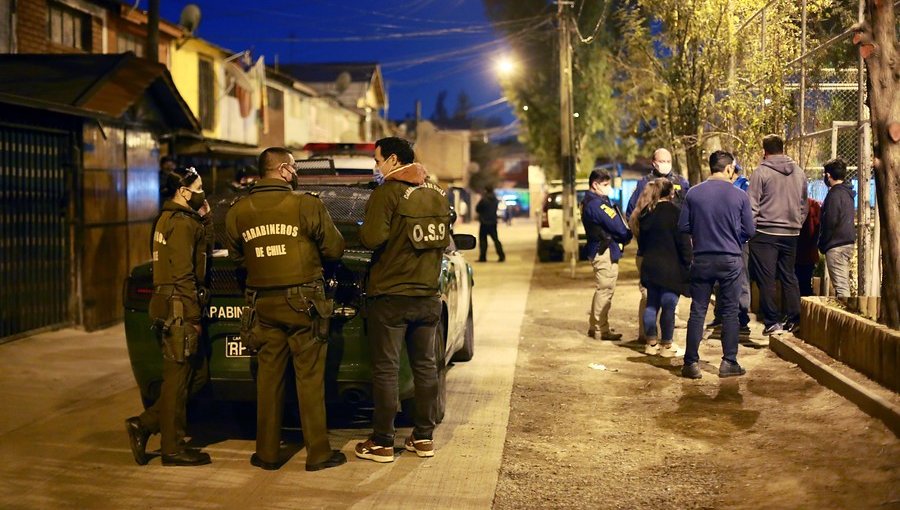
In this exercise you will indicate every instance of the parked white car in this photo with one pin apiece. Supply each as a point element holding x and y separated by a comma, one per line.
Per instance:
<point>550,228</point>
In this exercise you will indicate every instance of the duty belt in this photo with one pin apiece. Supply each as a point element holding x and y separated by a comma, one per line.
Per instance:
<point>284,291</point>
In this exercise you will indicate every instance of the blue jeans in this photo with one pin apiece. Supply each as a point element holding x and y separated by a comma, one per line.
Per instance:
<point>658,297</point>
<point>706,271</point>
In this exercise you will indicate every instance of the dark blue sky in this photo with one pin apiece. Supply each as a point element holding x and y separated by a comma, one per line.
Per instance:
<point>423,46</point>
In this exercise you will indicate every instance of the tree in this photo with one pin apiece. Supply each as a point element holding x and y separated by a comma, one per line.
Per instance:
<point>877,42</point>
<point>440,116</point>
<point>461,112</point>
<point>533,92</point>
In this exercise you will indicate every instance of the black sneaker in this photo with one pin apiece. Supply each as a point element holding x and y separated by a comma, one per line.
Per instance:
<point>745,330</point>
<point>729,369</point>
<point>716,323</point>
<point>186,458</point>
<point>691,371</point>
<point>609,335</point>
<point>791,326</point>
<point>774,329</point>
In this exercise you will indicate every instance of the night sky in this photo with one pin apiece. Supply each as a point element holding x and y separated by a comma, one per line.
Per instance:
<point>423,46</point>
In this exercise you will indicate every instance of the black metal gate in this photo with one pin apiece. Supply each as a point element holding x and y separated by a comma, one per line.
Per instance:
<point>34,245</point>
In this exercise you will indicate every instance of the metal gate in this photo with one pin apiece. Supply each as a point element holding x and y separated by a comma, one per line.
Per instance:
<point>34,246</point>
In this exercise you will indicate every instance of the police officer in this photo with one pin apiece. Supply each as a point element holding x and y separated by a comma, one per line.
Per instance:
<point>280,238</point>
<point>606,231</point>
<point>407,224</point>
<point>180,248</point>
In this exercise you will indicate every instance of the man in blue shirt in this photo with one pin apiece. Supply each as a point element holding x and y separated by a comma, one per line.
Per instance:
<point>607,234</point>
<point>718,218</point>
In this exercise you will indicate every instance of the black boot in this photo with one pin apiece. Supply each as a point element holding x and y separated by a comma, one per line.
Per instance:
<point>337,458</point>
<point>186,458</point>
<point>268,466</point>
<point>137,437</point>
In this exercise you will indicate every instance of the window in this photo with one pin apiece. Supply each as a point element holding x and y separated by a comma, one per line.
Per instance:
<point>274,98</point>
<point>207,82</point>
<point>130,42</point>
<point>68,27</point>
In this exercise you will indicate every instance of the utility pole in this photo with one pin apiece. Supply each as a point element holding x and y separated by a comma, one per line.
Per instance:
<point>868,282</point>
<point>418,117</point>
<point>153,31</point>
<point>566,136</point>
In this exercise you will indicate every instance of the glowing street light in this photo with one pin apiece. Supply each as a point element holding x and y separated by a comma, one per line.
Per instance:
<point>505,66</point>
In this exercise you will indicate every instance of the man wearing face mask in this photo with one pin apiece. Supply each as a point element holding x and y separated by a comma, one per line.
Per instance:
<point>279,238</point>
<point>180,249</point>
<point>662,168</point>
<point>607,234</point>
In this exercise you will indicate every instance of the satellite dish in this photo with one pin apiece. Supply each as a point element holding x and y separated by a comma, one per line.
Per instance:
<point>190,18</point>
<point>342,82</point>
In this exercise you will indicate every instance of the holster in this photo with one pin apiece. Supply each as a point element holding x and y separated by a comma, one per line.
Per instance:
<point>179,340</point>
<point>321,310</point>
<point>250,334</point>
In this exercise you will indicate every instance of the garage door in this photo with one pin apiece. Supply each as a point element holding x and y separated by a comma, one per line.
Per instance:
<point>34,247</point>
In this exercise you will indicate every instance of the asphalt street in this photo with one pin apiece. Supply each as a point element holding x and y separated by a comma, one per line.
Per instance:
<point>64,396</point>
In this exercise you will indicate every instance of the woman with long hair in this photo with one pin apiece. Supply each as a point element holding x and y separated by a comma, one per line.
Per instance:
<point>665,268</point>
<point>649,196</point>
<point>180,249</point>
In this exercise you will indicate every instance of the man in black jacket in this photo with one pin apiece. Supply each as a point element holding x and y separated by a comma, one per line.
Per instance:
<point>837,231</point>
<point>487,217</point>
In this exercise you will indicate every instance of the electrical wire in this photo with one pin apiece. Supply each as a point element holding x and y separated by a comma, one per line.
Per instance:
<point>591,38</point>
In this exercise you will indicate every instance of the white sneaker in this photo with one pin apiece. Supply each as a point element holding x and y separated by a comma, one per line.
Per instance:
<point>651,350</point>
<point>670,350</point>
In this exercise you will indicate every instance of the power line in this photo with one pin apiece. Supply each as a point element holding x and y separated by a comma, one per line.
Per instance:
<point>590,39</point>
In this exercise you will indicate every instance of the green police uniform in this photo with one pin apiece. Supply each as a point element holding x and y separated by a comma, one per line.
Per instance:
<point>280,237</point>
<point>407,224</point>
<point>180,247</point>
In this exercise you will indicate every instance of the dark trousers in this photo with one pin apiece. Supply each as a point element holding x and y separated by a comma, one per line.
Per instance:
<point>804,274</point>
<point>774,257</point>
<point>706,271</point>
<point>395,321</point>
<point>486,230</point>
<point>167,415</point>
<point>285,332</point>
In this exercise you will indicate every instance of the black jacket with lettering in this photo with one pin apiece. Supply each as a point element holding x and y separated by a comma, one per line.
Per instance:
<point>281,236</point>
<point>407,224</point>
<point>180,248</point>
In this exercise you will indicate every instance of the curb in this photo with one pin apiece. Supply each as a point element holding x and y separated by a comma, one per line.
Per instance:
<point>787,347</point>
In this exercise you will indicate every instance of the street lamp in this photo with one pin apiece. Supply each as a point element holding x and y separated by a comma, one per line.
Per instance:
<point>505,65</point>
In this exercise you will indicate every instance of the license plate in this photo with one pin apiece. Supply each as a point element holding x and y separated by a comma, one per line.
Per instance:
<point>234,348</point>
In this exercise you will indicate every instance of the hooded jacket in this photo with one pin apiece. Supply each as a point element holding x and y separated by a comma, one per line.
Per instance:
<point>778,196</point>
<point>407,225</point>
<point>837,218</point>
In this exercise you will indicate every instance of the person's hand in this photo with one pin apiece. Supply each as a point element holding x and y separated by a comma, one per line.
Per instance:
<point>206,209</point>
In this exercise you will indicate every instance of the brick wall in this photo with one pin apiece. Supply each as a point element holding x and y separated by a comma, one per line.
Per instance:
<point>33,35</point>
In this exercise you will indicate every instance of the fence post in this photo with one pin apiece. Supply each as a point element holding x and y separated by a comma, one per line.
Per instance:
<point>866,251</point>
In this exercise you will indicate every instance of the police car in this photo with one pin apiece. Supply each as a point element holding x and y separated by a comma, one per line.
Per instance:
<point>348,367</point>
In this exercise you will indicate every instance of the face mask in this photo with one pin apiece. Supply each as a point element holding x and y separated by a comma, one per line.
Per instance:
<point>294,182</point>
<point>197,199</point>
<point>663,168</point>
<point>378,176</point>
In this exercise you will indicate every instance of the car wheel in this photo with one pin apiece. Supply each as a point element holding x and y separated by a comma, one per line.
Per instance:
<point>544,252</point>
<point>468,349</point>
<point>408,406</point>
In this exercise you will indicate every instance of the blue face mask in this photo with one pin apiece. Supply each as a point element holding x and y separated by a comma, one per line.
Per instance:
<point>378,176</point>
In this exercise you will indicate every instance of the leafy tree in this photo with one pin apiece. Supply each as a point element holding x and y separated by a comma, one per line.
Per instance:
<point>440,116</point>
<point>533,92</point>
<point>461,112</point>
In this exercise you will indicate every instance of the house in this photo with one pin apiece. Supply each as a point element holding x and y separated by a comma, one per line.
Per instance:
<point>80,139</point>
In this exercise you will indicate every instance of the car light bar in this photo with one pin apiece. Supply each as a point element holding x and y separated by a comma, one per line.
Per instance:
<point>341,148</point>
<point>314,167</point>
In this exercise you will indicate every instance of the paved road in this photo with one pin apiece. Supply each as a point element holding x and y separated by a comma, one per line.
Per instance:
<point>64,395</point>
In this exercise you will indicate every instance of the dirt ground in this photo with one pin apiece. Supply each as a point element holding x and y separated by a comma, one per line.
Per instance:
<point>638,436</point>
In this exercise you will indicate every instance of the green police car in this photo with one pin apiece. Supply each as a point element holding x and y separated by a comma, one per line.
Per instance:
<point>232,368</point>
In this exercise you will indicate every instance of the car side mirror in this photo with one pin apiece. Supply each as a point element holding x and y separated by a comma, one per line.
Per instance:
<point>464,241</point>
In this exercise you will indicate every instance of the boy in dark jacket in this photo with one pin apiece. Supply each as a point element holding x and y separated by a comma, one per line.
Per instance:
<point>807,254</point>
<point>838,232</point>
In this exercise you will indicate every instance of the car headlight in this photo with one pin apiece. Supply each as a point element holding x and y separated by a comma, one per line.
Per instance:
<point>345,312</point>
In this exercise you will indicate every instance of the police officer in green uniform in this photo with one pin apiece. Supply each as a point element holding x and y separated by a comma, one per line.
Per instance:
<point>407,225</point>
<point>280,238</point>
<point>180,247</point>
